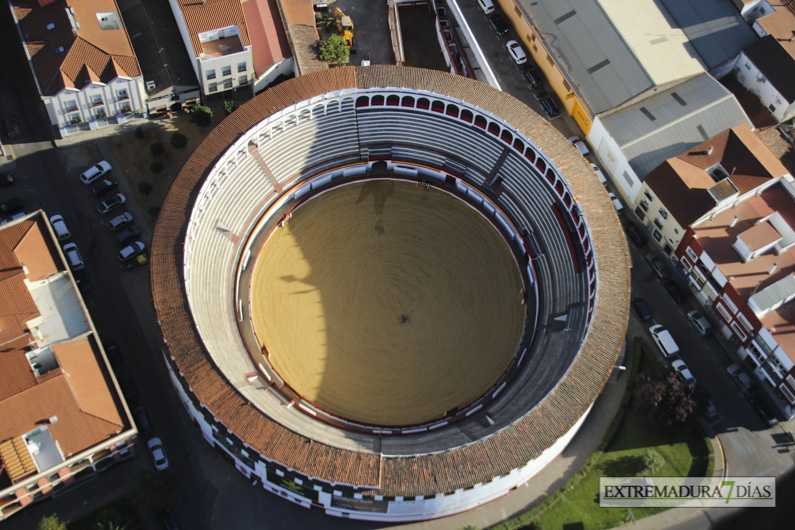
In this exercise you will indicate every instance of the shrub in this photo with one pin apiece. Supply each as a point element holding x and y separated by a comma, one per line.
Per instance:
<point>201,115</point>
<point>653,462</point>
<point>139,133</point>
<point>51,522</point>
<point>156,166</point>
<point>157,149</point>
<point>229,106</point>
<point>179,140</point>
<point>334,51</point>
<point>145,188</point>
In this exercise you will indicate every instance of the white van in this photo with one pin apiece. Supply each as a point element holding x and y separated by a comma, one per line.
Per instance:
<point>662,337</point>
<point>59,227</point>
<point>486,5</point>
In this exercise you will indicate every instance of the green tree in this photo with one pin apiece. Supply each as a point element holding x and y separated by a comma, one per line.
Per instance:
<point>201,115</point>
<point>155,489</point>
<point>157,149</point>
<point>653,461</point>
<point>229,106</point>
<point>179,140</point>
<point>333,50</point>
<point>145,188</point>
<point>51,522</point>
<point>156,166</point>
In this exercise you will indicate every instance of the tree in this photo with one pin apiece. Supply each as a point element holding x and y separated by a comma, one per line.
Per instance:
<point>155,489</point>
<point>145,188</point>
<point>157,149</point>
<point>334,50</point>
<point>179,140</point>
<point>201,115</point>
<point>51,522</point>
<point>653,461</point>
<point>139,133</point>
<point>229,106</point>
<point>665,397</point>
<point>156,166</point>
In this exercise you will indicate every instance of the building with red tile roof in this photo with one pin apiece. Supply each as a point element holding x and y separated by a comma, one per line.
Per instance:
<point>448,134</point>
<point>82,61</point>
<point>233,44</point>
<point>62,418</point>
<point>703,180</point>
<point>741,263</point>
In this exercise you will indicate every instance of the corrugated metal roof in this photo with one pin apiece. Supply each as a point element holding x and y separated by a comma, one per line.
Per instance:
<point>773,294</point>
<point>672,121</point>
<point>714,27</point>
<point>591,50</point>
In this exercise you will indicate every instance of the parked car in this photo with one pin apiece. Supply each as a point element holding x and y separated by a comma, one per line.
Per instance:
<point>516,52</point>
<point>636,235</point>
<point>166,518</point>
<point>12,126</point>
<point>641,308</point>
<point>658,266</point>
<point>158,454</point>
<point>111,203</point>
<point>486,5</point>
<point>119,222</point>
<point>128,388</point>
<point>682,369</point>
<point>128,234</point>
<point>132,250</point>
<point>113,353</point>
<point>710,410</point>
<point>701,324</point>
<point>663,339</point>
<point>6,179</point>
<point>675,292</point>
<point>103,186</point>
<point>600,174</point>
<point>548,104</point>
<point>94,172</point>
<point>616,203</point>
<point>59,227</point>
<point>532,76</point>
<point>11,206</point>
<point>741,379</point>
<point>499,24</point>
<point>73,257</point>
<point>581,146</point>
<point>142,420</point>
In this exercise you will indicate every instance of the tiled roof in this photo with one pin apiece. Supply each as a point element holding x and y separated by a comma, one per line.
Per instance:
<point>299,18</point>
<point>78,391</point>
<point>759,236</point>
<point>780,24</point>
<point>89,53</point>
<point>299,12</point>
<point>776,63</point>
<point>681,183</point>
<point>480,461</point>
<point>207,15</point>
<point>268,39</point>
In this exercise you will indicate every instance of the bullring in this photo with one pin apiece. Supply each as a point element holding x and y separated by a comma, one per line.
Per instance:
<point>444,134</point>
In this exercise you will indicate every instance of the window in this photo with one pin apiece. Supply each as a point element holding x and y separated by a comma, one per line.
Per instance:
<point>686,264</point>
<point>728,301</point>
<point>656,235</point>
<point>777,366</point>
<point>649,194</point>
<point>691,254</point>
<point>628,178</point>
<point>213,87</point>
<point>722,310</point>
<point>211,74</point>
<point>96,100</point>
<point>787,393</point>
<point>226,70</point>
<point>125,107</point>
<point>71,106</point>
<point>122,94</point>
<point>644,204</point>
<point>641,215</point>
<point>228,84</point>
<point>242,80</point>
<point>241,67</point>
<point>518,12</point>
<point>658,222</point>
<point>549,59</point>
<point>50,26</point>
<point>663,213</point>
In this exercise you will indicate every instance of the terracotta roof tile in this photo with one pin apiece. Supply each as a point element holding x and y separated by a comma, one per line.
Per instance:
<point>201,16</point>
<point>38,252</point>
<point>265,28</point>
<point>299,12</point>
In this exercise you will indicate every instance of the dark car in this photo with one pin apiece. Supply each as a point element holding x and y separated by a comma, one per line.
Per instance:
<point>128,388</point>
<point>142,420</point>
<point>636,235</point>
<point>81,279</point>
<point>548,104</point>
<point>658,266</point>
<point>532,76</point>
<point>113,353</point>
<point>676,293</point>
<point>641,308</point>
<point>167,519</point>
<point>133,232</point>
<point>103,186</point>
<point>111,203</point>
<point>499,24</point>
<point>12,126</point>
<point>11,206</point>
<point>6,179</point>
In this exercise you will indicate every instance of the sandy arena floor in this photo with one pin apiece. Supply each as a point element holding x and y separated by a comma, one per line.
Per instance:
<point>387,304</point>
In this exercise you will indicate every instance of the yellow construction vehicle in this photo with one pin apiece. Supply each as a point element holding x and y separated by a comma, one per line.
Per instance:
<point>345,27</point>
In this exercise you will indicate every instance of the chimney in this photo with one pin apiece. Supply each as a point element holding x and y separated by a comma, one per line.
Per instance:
<point>734,221</point>
<point>773,268</point>
<point>709,151</point>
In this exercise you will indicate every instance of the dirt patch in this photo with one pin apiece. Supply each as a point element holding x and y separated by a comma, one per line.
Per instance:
<point>132,151</point>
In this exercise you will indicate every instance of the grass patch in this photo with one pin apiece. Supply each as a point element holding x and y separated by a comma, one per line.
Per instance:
<point>629,438</point>
<point>121,513</point>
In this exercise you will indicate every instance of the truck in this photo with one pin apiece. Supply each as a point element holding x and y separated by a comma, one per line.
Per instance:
<point>345,27</point>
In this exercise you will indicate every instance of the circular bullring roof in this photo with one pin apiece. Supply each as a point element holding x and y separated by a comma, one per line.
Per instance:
<point>516,168</point>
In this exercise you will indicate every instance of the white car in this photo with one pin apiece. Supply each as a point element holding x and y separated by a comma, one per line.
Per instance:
<point>581,146</point>
<point>59,227</point>
<point>682,369</point>
<point>130,251</point>
<point>599,174</point>
<point>94,172</point>
<point>516,51</point>
<point>663,339</point>
<point>73,256</point>
<point>616,203</point>
<point>158,454</point>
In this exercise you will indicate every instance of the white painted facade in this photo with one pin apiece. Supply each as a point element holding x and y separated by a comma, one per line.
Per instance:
<point>755,82</point>
<point>96,103</point>
<point>614,162</point>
